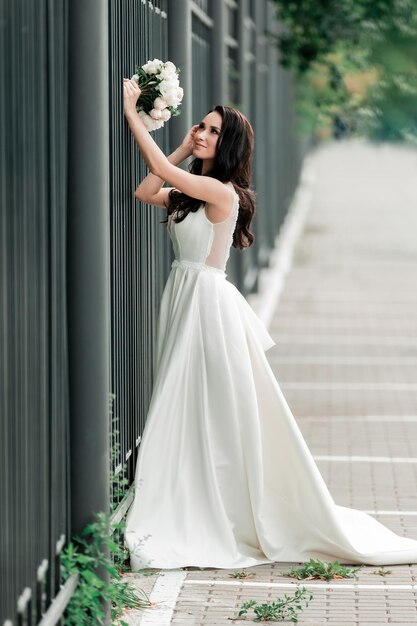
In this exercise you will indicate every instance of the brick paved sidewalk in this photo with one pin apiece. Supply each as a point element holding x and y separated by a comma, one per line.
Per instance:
<point>346,360</point>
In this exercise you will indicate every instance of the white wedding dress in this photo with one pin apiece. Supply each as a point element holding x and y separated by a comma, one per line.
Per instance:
<point>224,477</point>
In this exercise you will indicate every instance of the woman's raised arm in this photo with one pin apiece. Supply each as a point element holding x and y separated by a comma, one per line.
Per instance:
<point>152,184</point>
<point>204,188</point>
<point>148,190</point>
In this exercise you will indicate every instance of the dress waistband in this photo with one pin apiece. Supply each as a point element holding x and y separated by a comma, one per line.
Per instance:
<point>197,266</point>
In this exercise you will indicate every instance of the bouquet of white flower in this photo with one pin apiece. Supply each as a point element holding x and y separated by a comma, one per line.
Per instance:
<point>160,92</point>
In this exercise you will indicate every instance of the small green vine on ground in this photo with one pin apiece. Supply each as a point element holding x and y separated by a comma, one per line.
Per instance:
<point>282,609</point>
<point>322,570</point>
<point>242,574</point>
<point>382,572</point>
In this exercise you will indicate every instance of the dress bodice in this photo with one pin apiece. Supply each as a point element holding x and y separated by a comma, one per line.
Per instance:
<point>198,240</point>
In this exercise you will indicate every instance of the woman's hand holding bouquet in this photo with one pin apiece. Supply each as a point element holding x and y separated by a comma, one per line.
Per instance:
<point>158,93</point>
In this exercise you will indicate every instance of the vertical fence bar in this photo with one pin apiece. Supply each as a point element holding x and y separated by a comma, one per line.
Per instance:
<point>273,162</point>
<point>179,51</point>
<point>261,131</point>
<point>88,259</point>
<point>219,53</point>
<point>249,257</point>
<point>201,62</point>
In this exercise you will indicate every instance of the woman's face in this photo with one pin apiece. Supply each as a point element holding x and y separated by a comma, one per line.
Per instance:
<point>207,136</point>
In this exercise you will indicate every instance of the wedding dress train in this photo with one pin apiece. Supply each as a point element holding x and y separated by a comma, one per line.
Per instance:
<point>224,477</point>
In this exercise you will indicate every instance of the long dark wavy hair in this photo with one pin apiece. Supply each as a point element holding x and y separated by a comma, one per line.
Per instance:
<point>232,162</point>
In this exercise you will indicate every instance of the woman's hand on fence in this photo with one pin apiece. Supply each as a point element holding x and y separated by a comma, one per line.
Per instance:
<point>189,140</point>
<point>131,94</point>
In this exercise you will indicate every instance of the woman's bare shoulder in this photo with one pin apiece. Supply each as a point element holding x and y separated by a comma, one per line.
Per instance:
<point>216,212</point>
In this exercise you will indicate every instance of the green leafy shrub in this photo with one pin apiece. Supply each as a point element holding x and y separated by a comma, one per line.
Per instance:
<point>355,64</point>
<point>88,553</point>
<point>100,548</point>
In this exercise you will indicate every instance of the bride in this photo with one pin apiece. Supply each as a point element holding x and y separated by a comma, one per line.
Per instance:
<point>224,477</point>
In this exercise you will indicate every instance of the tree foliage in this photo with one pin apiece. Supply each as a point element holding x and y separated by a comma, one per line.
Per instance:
<point>356,65</point>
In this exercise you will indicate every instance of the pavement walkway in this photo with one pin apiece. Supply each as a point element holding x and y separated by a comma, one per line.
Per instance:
<point>345,324</point>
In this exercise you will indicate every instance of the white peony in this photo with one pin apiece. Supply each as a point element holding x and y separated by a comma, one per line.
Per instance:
<point>171,66</point>
<point>152,67</point>
<point>165,115</point>
<point>160,103</point>
<point>149,122</point>
<point>167,74</point>
<point>156,114</point>
<point>169,91</point>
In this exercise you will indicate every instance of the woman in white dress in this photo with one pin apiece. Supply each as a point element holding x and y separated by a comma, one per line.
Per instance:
<point>224,477</point>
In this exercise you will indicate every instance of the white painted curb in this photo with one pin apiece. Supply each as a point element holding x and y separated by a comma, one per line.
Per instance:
<point>165,593</point>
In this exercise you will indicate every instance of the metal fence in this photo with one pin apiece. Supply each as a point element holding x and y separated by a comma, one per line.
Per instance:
<point>109,249</point>
<point>140,249</point>
<point>34,513</point>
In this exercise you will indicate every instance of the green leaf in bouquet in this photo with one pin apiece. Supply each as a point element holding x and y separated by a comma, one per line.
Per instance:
<point>145,102</point>
<point>141,72</point>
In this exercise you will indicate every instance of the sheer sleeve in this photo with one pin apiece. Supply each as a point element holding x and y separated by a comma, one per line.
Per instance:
<point>223,237</point>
